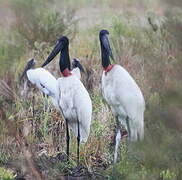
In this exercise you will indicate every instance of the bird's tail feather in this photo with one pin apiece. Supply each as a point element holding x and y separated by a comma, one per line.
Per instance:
<point>140,129</point>
<point>136,127</point>
<point>84,133</point>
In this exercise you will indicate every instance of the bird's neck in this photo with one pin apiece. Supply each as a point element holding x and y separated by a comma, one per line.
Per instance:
<point>105,58</point>
<point>66,72</point>
<point>108,68</point>
<point>64,62</point>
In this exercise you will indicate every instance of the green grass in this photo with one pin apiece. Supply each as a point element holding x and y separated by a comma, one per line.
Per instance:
<point>6,174</point>
<point>153,58</point>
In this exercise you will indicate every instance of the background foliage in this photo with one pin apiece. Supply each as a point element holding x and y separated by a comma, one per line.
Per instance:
<point>146,39</point>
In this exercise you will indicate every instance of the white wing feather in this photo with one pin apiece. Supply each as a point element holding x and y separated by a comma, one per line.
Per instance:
<point>45,81</point>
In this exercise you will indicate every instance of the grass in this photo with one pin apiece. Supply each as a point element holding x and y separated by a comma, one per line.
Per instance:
<point>153,58</point>
<point>6,174</point>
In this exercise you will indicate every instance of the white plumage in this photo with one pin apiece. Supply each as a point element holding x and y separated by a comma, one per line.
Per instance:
<point>43,80</point>
<point>77,68</point>
<point>74,100</point>
<point>122,94</point>
<point>46,82</point>
<point>76,105</point>
<point>125,99</point>
<point>76,72</point>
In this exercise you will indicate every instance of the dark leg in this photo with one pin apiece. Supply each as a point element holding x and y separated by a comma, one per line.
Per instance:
<point>128,127</point>
<point>45,102</point>
<point>33,113</point>
<point>33,104</point>
<point>44,95</point>
<point>78,144</point>
<point>67,140</point>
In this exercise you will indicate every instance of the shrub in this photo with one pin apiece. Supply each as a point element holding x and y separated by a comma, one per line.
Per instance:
<point>40,21</point>
<point>9,54</point>
<point>6,174</point>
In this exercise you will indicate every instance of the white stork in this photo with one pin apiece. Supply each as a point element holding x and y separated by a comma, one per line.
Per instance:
<point>122,94</point>
<point>74,100</point>
<point>43,80</point>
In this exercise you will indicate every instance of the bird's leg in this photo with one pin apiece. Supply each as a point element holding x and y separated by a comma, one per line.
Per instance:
<point>33,105</point>
<point>45,102</point>
<point>67,140</point>
<point>128,127</point>
<point>33,113</point>
<point>78,143</point>
<point>117,140</point>
<point>47,107</point>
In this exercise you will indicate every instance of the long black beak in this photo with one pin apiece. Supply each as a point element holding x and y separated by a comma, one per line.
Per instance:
<point>54,52</point>
<point>30,64</point>
<point>106,44</point>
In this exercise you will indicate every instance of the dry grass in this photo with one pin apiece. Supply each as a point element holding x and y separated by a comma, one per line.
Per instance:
<point>33,144</point>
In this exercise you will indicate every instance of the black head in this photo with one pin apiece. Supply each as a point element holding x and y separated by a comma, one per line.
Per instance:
<point>103,32</point>
<point>61,43</point>
<point>63,40</point>
<point>106,51</point>
<point>76,63</point>
<point>30,65</point>
<point>105,45</point>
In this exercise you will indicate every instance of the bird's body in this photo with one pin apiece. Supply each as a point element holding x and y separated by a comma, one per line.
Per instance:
<point>122,94</point>
<point>74,100</point>
<point>46,82</point>
<point>76,105</point>
<point>125,99</point>
<point>43,80</point>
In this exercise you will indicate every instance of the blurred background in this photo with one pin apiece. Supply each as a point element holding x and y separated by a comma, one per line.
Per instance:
<point>146,38</point>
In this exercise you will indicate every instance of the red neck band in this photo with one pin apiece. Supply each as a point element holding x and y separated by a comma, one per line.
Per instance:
<point>66,72</point>
<point>108,68</point>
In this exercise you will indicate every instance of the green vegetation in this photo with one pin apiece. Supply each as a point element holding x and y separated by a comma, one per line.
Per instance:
<point>41,21</point>
<point>6,174</point>
<point>146,42</point>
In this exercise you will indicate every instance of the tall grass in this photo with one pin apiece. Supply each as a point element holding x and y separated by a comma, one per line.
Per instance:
<point>152,57</point>
<point>41,21</point>
<point>9,54</point>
